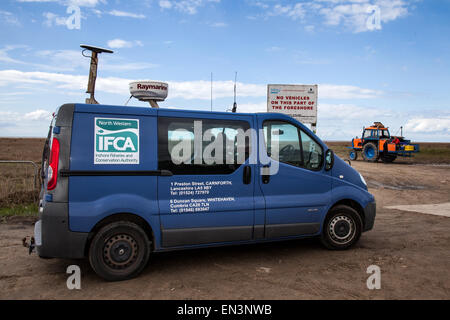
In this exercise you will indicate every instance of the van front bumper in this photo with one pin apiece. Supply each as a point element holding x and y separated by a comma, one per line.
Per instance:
<point>369,215</point>
<point>52,236</point>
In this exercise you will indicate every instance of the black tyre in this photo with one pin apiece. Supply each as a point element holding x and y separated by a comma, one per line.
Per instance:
<point>119,251</point>
<point>388,158</point>
<point>342,228</point>
<point>353,155</point>
<point>370,152</point>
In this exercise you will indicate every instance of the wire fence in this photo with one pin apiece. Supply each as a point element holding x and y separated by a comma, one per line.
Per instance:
<point>19,182</point>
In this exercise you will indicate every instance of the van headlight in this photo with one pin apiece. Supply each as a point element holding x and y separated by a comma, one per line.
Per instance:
<point>362,179</point>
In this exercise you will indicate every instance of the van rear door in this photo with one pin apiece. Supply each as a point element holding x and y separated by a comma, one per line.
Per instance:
<point>210,196</point>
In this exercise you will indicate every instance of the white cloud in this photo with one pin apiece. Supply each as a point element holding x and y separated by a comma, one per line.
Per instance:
<point>351,14</point>
<point>344,112</point>
<point>310,28</point>
<point>197,89</point>
<point>4,56</point>
<point>202,89</point>
<point>301,57</point>
<point>54,19</point>
<point>294,12</point>
<point>38,115</point>
<point>85,3</point>
<point>36,0</point>
<point>337,121</point>
<point>131,66</point>
<point>333,91</point>
<point>165,4</point>
<point>71,60</point>
<point>80,3</point>
<point>219,25</point>
<point>120,43</point>
<point>61,60</point>
<point>31,124</point>
<point>274,49</point>
<point>252,107</point>
<point>118,13</point>
<point>429,125</point>
<point>9,18</point>
<point>185,6</point>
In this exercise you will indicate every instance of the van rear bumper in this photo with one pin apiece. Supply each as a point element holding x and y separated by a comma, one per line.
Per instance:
<point>53,237</point>
<point>369,216</point>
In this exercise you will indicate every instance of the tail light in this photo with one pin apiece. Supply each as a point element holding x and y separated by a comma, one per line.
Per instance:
<point>52,175</point>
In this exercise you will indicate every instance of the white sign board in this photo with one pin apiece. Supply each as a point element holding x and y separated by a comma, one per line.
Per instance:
<point>297,101</point>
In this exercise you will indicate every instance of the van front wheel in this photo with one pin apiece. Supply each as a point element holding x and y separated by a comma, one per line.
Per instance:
<point>119,251</point>
<point>342,228</point>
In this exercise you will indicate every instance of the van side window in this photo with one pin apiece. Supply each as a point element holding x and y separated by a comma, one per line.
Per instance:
<point>294,146</point>
<point>202,146</point>
<point>283,138</point>
<point>312,152</point>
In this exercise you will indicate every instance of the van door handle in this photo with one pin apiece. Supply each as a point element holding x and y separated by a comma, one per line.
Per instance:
<point>247,175</point>
<point>266,177</point>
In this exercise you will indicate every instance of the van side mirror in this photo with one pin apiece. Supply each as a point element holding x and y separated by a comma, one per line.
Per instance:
<point>329,160</point>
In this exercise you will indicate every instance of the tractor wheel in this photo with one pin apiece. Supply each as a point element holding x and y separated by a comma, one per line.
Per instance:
<point>353,155</point>
<point>388,158</point>
<point>370,152</point>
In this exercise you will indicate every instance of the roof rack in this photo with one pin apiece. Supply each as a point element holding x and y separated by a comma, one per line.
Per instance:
<point>378,125</point>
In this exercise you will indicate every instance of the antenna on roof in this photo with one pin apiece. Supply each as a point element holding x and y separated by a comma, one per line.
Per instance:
<point>234,104</point>
<point>93,69</point>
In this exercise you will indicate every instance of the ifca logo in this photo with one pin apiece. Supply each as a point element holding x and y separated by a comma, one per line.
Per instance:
<point>117,143</point>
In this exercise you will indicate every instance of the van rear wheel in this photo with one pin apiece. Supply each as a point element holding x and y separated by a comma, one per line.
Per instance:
<point>342,228</point>
<point>119,251</point>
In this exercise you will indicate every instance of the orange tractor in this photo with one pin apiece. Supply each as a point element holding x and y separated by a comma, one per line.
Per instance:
<point>377,143</point>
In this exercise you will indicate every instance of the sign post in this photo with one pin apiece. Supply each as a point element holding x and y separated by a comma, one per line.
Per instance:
<point>297,101</point>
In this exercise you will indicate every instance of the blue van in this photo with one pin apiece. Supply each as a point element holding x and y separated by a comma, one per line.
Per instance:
<point>115,189</point>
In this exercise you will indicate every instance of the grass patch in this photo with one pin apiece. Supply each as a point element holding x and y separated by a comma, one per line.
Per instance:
<point>30,210</point>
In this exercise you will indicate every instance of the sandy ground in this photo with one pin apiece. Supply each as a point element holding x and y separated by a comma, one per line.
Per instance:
<point>411,248</point>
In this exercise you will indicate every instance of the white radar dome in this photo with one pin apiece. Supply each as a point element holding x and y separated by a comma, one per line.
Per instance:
<point>149,90</point>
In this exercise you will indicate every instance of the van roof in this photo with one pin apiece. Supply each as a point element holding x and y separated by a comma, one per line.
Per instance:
<point>100,108</point>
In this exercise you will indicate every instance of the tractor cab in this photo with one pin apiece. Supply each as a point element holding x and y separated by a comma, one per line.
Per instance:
<point>376,131</point>
<point>373,133</point>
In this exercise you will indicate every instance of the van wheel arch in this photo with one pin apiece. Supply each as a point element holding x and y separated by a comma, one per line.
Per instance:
<point>352,204</point>
<point>120,217</point>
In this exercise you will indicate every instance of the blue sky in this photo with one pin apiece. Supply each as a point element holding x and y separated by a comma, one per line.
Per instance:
<point>397,71</point>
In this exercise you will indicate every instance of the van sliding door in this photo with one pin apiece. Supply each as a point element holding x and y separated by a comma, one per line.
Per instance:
<point>209,196</point>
